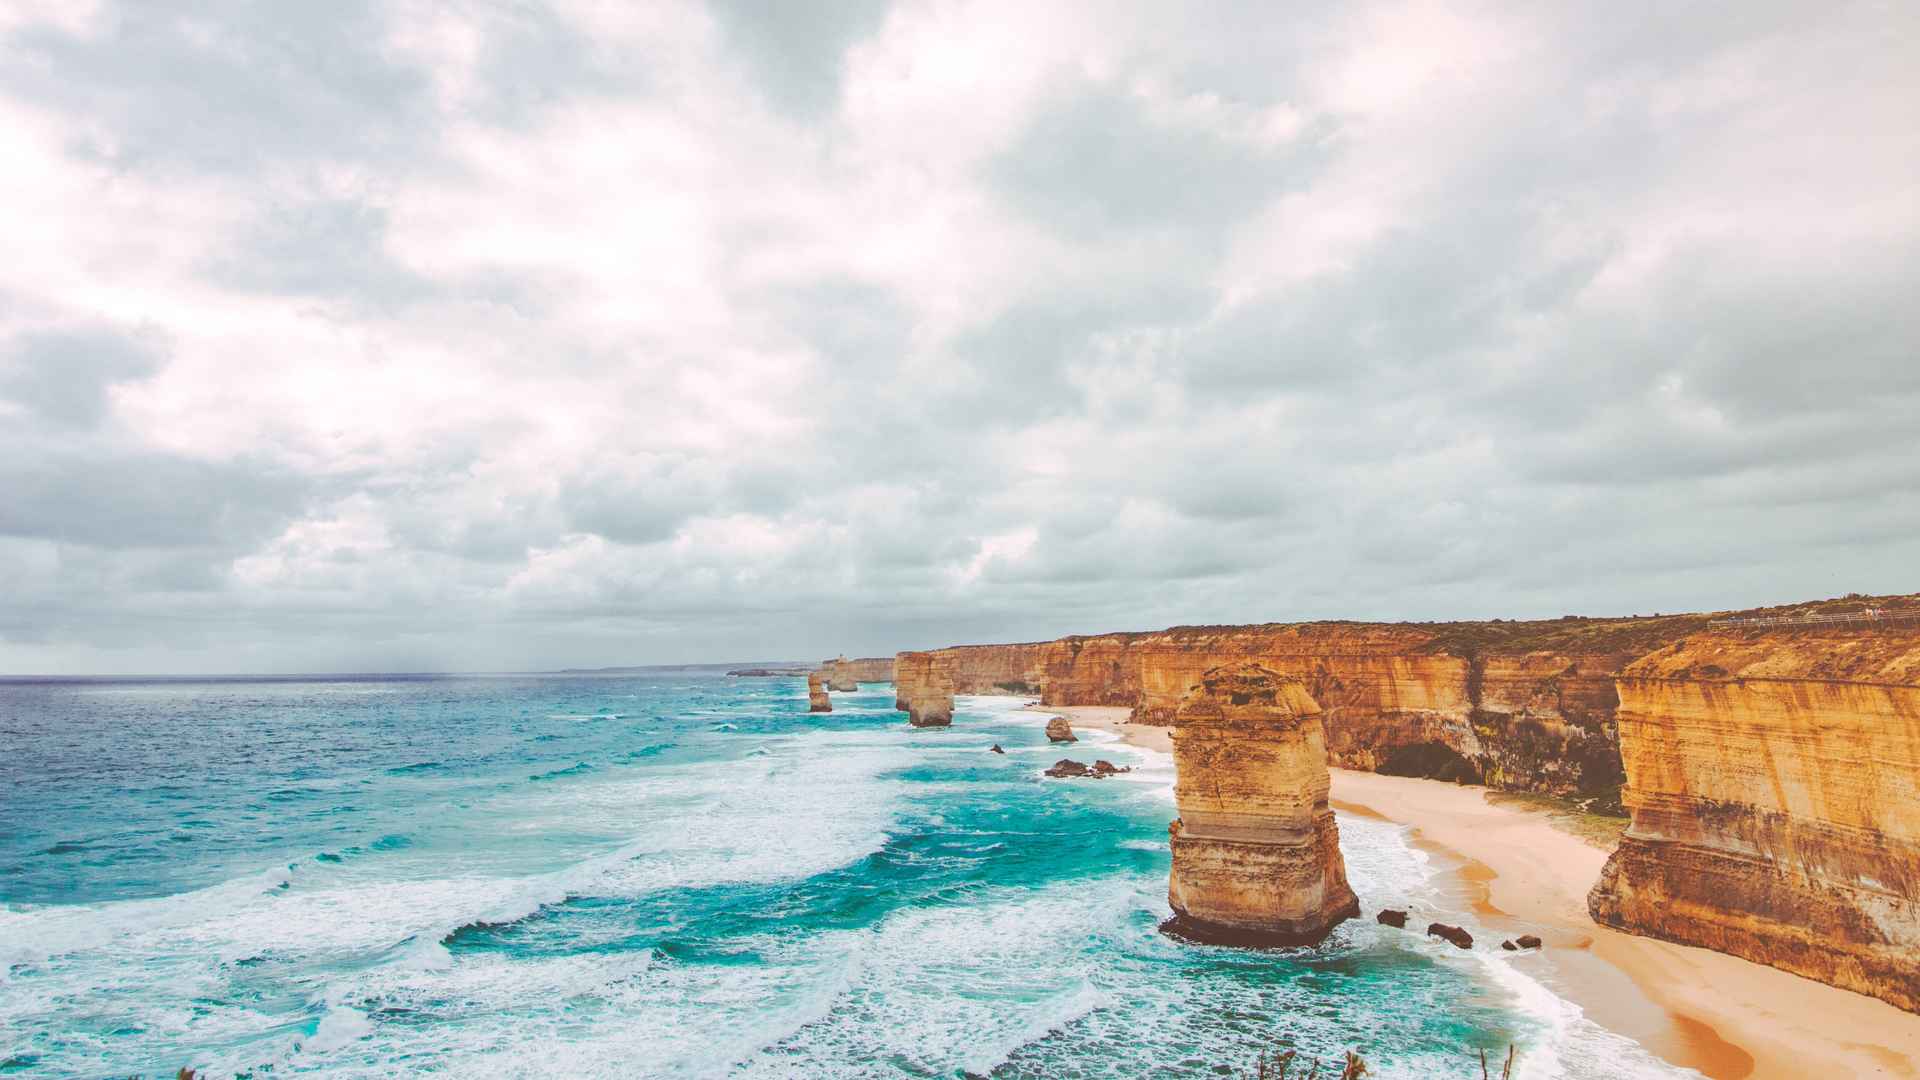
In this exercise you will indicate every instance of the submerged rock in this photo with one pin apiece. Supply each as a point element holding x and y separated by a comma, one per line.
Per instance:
<point>1059,730</point>
<point>995,749</point>
<point>1451,933</point>
<point>1256,851</point>
<point>1390,917</point>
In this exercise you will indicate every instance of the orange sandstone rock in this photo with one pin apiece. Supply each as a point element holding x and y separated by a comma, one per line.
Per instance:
<point>1774,781</point>
<point>924,689</point>
<point>1256,852</point>
<point>995,669</point>
<point>817,700</point>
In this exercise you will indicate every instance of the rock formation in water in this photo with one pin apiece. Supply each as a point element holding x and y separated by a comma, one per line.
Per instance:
<point>1773,775</point>
<point>1256,852</point>
<point>924,689</point>
<point>1393,918</point>
<point>1099,770</point>
<point>1059,730</point>
<point>1458,936</point>
<point>817,700</point>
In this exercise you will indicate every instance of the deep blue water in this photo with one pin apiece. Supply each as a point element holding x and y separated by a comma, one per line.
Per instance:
<point>657,875</point>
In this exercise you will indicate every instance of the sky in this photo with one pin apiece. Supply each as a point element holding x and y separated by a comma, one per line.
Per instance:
<point>471,335</point>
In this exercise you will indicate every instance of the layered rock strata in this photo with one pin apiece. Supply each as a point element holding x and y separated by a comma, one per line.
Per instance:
<point>996,669</point>
<point>817,700</point>
<point>1519,706</point>
<point>849,673</point>
<point>923,688</point>
<point>1773,777</point>
<point>1256,852</point>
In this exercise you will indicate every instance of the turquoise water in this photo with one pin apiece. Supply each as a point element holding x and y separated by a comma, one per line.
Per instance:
<point>661,875</point>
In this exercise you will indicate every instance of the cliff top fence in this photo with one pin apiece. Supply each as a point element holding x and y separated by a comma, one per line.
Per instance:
<point>1869,617</point>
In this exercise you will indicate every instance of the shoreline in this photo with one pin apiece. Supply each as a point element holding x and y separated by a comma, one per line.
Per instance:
<point>1520,872</point>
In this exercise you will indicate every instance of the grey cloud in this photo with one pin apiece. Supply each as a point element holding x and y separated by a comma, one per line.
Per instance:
<point>226,86</point>
<point>63,376</point>
<point>796,50</point>
<point>1094,162</point>
<point>131,498</point>
<point>326,247</point>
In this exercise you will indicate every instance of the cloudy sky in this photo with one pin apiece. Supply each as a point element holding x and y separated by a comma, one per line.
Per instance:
<point>504,335</point>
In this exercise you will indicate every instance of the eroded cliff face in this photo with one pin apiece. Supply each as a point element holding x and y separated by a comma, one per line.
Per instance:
<point>1520,706</point>
<point>1256,851</point>
<point>866,669</point>
<point>923,688</point>
<point>996,669</point>
<point>1773,777</point>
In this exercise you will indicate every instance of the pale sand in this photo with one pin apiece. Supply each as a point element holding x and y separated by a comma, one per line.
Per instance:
<point>1724,1016</point>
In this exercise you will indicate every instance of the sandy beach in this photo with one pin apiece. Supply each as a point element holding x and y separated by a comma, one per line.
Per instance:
<point>1521,872</point>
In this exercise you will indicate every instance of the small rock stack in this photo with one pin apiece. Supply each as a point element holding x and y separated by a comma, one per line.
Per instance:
<point>817,700</point>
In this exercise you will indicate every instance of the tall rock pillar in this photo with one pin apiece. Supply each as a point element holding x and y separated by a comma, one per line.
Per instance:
<point>817,700</point>
<point>1256,851</point>
<point>924,688</point>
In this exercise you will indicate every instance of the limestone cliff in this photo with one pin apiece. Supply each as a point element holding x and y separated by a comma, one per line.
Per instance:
<point>848,673</point>
<point>817,700</point>
<point>1256,851</point>
<point>995,669</point>
<point>1773,776</point>
<point>923,688</point>
<point>1523,706</point>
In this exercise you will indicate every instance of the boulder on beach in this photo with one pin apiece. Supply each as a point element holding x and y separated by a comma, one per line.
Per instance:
<point>1451,933</point>
<point>1390,917</point>
<point>1527,941</point>
<point>1059,730</point>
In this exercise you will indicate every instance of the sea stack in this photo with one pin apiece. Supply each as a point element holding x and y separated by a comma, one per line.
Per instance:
<point>924,688</point>
<point>1256,852</point>
<point>817,700</point>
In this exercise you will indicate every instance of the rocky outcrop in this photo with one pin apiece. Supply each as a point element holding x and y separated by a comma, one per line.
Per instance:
<point>1059,730</point>
<point>995,669</point>
<point>923,688</point>
<point>817,700</point>
<point>842,674</point>
<point>1524,706</point>
<point>1256,852</point>
<point>1773,776</point>
<point>1454,934</point>
<point>1099,770</point>
<point>1393,918</point>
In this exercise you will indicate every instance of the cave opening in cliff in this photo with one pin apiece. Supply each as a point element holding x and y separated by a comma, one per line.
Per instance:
<point>1431,761</point>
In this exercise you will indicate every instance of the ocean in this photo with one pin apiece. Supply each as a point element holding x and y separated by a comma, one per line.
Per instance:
<point>672,874</point>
